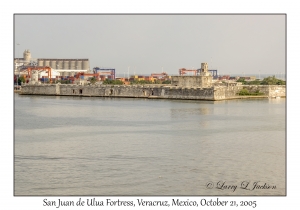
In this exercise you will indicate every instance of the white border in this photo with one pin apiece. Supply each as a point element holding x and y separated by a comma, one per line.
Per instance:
<point>8,201</point>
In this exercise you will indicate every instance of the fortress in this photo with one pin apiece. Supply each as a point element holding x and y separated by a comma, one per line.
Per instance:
<point>198,87</point>
<point>214,93</point>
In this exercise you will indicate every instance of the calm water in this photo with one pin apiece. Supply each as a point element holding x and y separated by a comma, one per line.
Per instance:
<point>111,146</point>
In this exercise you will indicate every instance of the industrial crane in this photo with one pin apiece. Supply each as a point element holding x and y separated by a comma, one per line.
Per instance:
<point>159,75</point>
<point>105,71</point>
<point>88,75</point>
<point>29,70</point>
<point>183,71</point>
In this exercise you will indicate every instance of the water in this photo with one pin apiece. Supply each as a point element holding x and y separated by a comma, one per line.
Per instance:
<point>119,146</point>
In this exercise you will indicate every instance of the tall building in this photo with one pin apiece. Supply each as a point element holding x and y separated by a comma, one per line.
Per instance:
<point>68,64</point>
<point>26,60</point>
<point>54,63</point>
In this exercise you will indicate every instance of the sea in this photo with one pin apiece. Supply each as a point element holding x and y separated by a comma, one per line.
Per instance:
<point>97,146</point>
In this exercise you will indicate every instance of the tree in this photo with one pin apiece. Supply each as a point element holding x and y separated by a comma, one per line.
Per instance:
<point>166,82</point>
<point>244,92</point>
<point>242,80</point>
<point>112,82</point>
<point>255,82</point>
<point>157,81</point>
<point>281,82</point>
<point>272,81</point>
<point>140,82</point>
<point>93,80</point>
<point>21,80</point>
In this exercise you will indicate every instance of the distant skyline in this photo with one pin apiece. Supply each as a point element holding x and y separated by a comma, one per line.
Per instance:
<point>144,44</point>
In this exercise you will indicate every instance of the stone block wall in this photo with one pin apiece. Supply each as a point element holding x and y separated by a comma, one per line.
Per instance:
<point>277,90</point>
<point>148,91</point>
<point>39,89</point>
<point>191,81</point>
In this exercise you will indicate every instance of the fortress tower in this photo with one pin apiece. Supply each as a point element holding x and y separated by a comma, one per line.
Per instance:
<point>204,70</point>
<point>27,56</point>
<point>203,80</point>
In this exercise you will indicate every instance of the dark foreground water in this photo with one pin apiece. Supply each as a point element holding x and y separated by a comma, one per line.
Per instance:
<point>111,146</point>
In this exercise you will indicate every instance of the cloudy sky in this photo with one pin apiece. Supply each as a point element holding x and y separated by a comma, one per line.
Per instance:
<point>144,44</point>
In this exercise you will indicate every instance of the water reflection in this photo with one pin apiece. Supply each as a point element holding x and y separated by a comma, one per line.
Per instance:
<point>277,100</point>
<point>181,112</point>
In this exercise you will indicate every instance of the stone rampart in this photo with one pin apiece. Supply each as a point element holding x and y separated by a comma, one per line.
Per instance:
<point>151,91</point>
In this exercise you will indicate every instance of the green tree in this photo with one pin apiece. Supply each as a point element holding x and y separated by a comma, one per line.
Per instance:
<point>242,80</point>
<point>166,82</point>
<point>93,80</point>
<point>21,79</point>
<point>255,82</point>
<point>244,92</point>
<point>158,81</point>
<point>281,82</point>
<point>140,82</point>
<point>112,82</point>
<point>272,81</point>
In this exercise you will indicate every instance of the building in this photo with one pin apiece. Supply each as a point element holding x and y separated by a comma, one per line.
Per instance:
<point>203,80</point>
<point>33,68</point>
<point>25,61</point>
<point>65,66</point>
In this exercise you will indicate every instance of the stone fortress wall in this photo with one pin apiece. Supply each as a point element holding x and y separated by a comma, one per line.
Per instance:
<point>154,91</point>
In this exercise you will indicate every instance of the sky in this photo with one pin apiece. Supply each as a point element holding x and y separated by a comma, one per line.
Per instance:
<point>145,44</point>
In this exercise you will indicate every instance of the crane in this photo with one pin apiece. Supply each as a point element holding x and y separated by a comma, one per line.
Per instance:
<point>183,71</point>
<point>105,71</point>
<point>29,70</point>
<point>160,75</point>
<point>88,75</point>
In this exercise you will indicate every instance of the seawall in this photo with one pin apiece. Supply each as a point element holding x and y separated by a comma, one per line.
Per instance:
<point>214,93</point>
